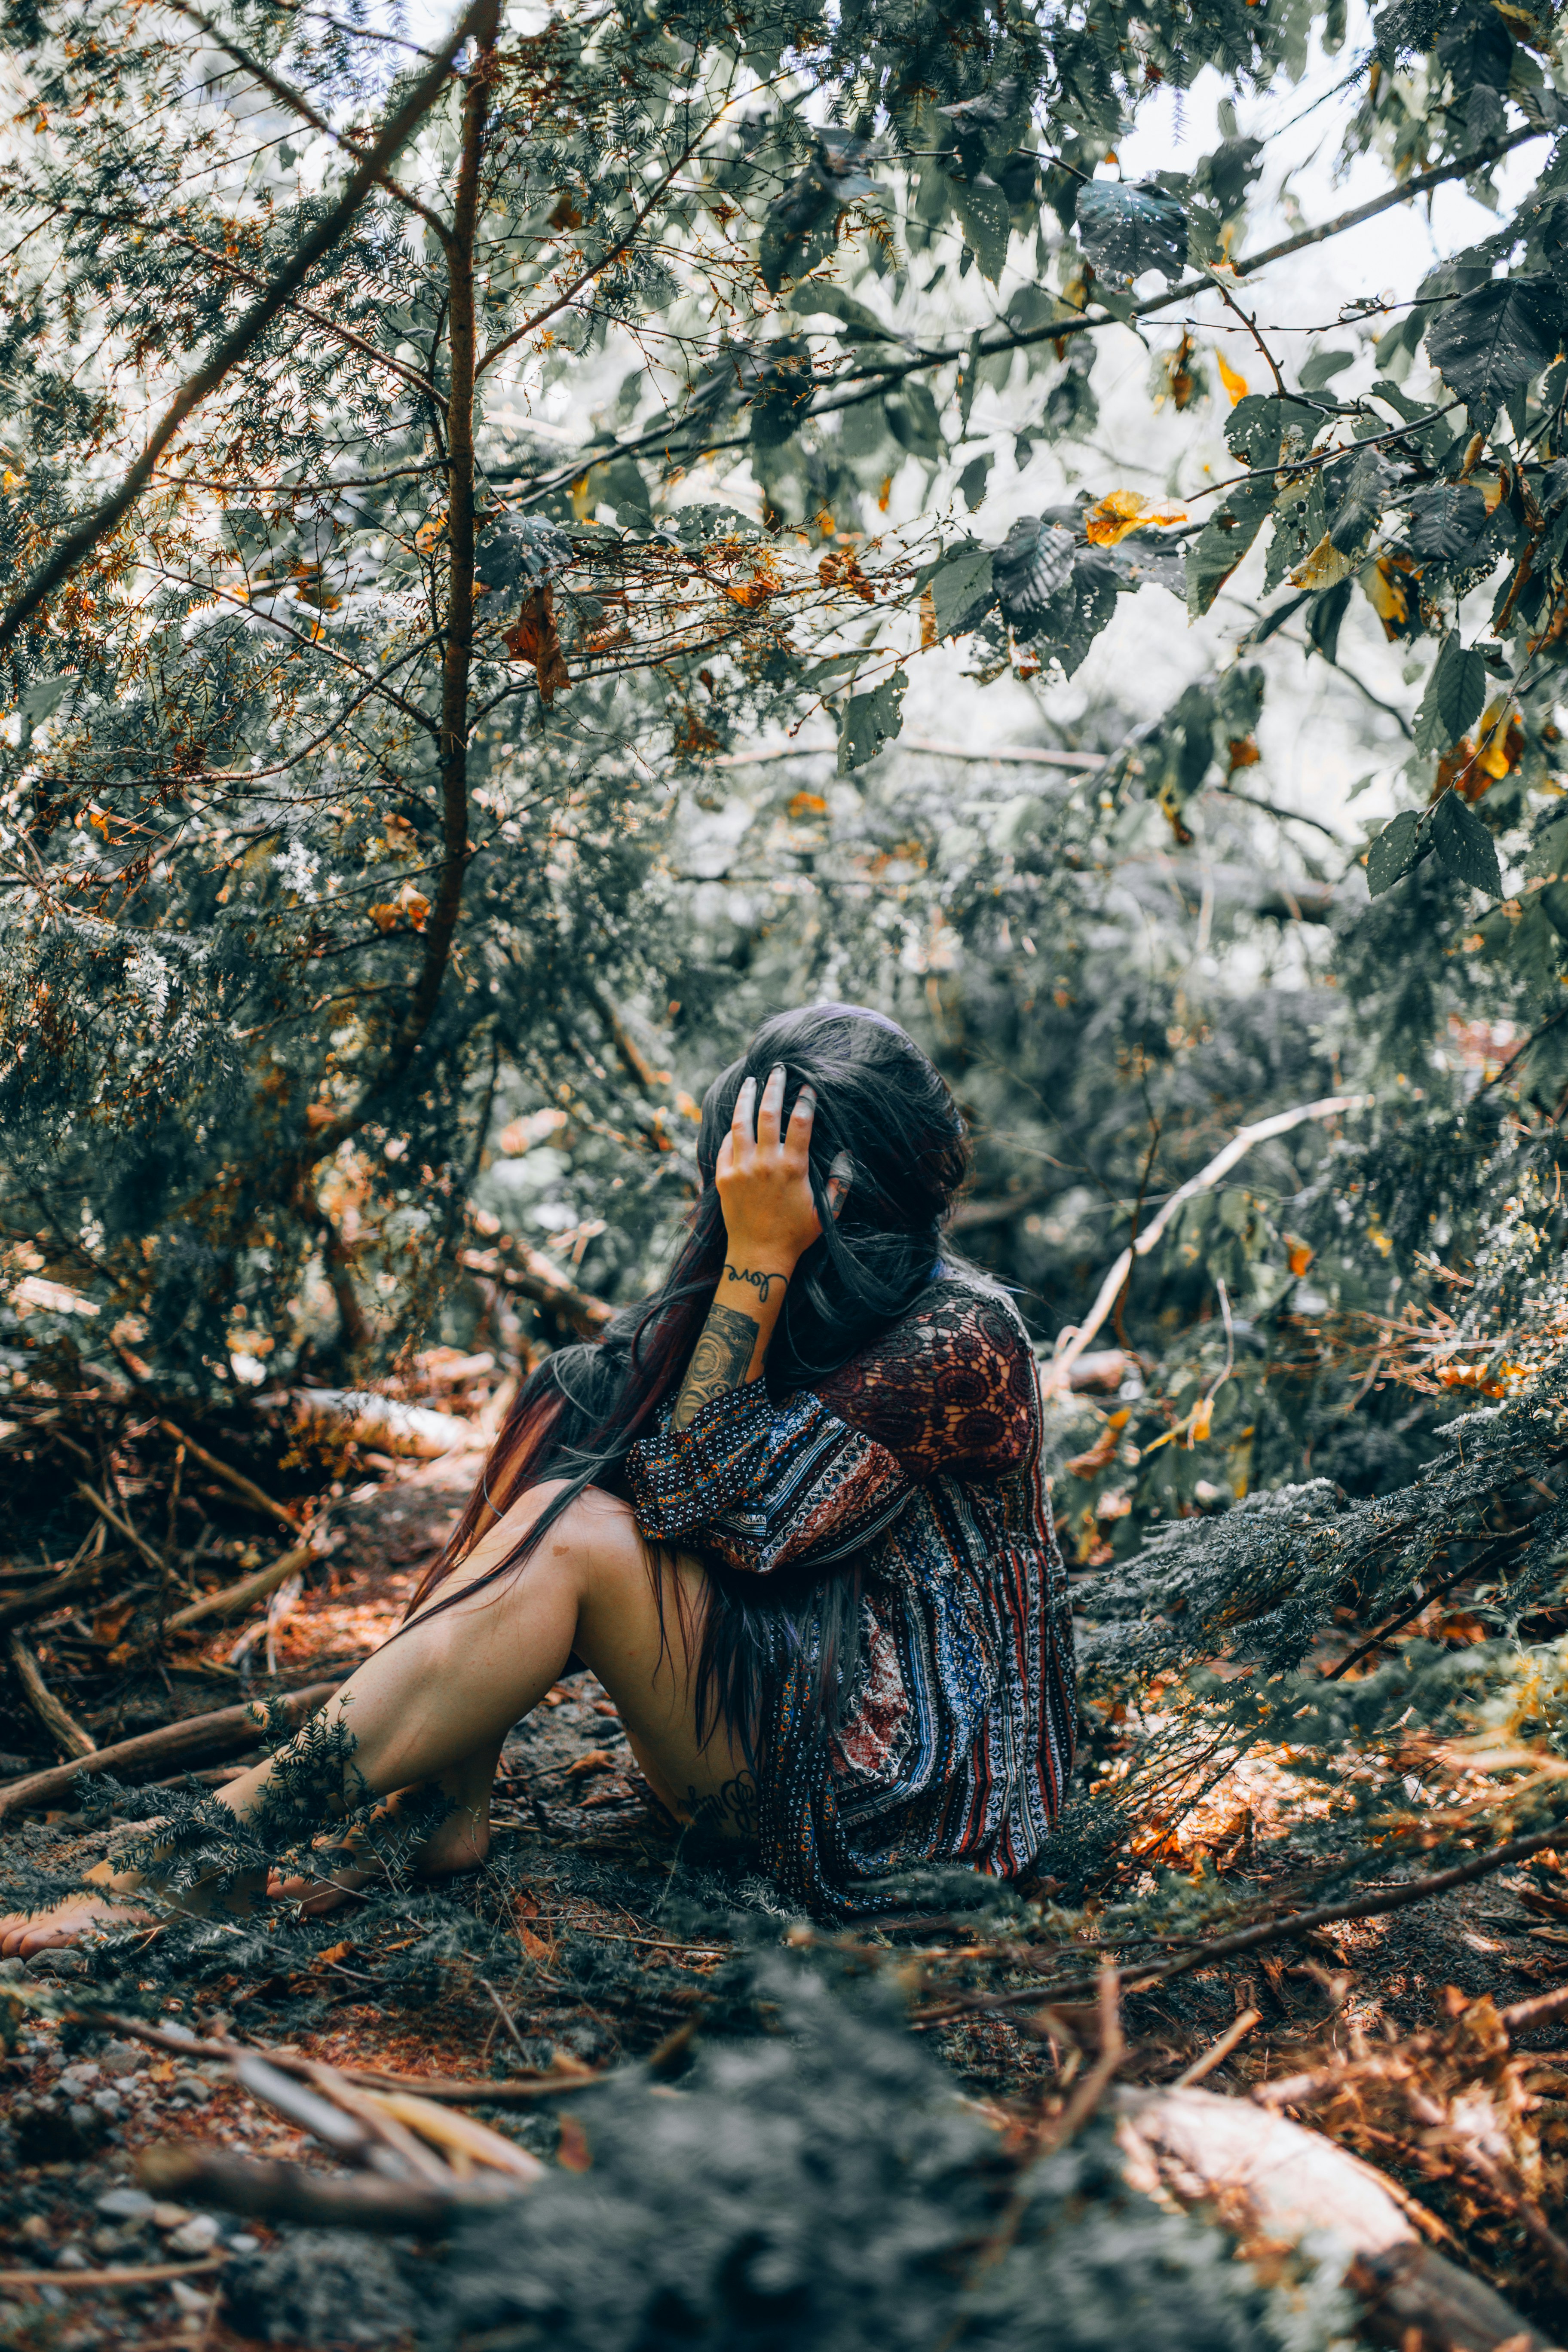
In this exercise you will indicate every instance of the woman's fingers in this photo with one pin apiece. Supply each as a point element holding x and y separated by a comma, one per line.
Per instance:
<point>740,1123</point>
<point>770,1111</point>
<point>797,1141</point>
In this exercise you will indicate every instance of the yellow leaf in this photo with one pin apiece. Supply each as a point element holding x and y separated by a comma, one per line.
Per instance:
<point>1203,1413</point>
<point>1385,595</point>
<point>1325,567</point>
<point>807,805</point>
<point>1300,1257</point>
<point>927,620</point>
<point>1493,737</point>
<point>1125,510</point>
<point>1234,385</point>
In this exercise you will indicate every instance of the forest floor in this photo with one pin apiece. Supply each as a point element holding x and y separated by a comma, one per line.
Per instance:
<point>601,1972</point>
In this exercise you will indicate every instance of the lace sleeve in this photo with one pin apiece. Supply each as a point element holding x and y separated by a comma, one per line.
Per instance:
<point>952,1388</point>
<point>808,1482</point>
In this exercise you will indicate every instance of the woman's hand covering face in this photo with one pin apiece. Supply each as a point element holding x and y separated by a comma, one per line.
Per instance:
<point>764,1186</point>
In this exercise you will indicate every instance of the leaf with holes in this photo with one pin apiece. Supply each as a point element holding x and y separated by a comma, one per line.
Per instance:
<point>1447,522</point>
<point>1393,852</point>
<point>1125,231</point>
<point>1465,846</point>
<point>1495,338</point>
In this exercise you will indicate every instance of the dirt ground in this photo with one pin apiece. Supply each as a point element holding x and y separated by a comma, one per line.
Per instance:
<point>73,2125</point>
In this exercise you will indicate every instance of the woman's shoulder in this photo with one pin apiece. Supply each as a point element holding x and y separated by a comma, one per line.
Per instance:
<point>957,1303</point>
<point>956,1365</point>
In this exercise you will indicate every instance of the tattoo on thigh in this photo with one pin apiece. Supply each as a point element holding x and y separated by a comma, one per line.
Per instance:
<point>721,1360</point>
<point>726,1814</point>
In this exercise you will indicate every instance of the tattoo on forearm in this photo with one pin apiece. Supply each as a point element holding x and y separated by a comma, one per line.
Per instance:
<point>721,1360</point>
<point>761,1283</point>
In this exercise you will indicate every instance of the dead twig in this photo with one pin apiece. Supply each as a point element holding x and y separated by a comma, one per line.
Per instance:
<point>1216,2054</point>
<point>236,1480</point>
<point>227,1730</point>
<point>1266,1931</point>
<point>23,1608</point>
<point>62,1727</point>
<point>107,1512</point>
<point>118,2274</point>
<point>234,1597</point>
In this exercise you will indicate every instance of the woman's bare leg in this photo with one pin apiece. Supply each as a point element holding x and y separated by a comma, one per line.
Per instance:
<point>435,1704</point>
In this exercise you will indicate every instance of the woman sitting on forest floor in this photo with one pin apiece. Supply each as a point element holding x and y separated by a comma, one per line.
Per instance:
<point>789,1512</point>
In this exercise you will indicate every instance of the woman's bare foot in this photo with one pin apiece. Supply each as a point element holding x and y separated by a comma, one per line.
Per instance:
<point>65,1922</point>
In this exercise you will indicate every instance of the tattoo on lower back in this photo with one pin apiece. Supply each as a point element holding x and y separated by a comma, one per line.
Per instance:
<point>721,1360</point>
<point>761,1283</point>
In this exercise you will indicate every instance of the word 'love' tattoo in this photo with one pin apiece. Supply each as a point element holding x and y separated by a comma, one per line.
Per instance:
<point>721,1360</point>
<point>761,1283</point>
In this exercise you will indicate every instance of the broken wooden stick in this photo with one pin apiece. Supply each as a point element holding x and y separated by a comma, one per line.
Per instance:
<point>1072,1341</point>
<point>234,1597</point>
<point>228,1730</point>
<point>505,2094</point>
<point>111,1517</point>
<point>236,1480</point>
<point>23,1608</point>
<point>116,2274</point>
<point>63,1729</point>
<point>538,1277</point>
<point>273,2191</point>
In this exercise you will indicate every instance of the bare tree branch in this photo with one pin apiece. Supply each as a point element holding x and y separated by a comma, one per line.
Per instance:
<point>80,542</point>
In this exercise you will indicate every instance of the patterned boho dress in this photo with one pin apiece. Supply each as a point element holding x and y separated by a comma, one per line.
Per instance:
<point>914,1468</point>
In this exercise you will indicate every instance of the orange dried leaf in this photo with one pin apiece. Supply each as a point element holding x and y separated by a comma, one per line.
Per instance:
<point>1233,384</point>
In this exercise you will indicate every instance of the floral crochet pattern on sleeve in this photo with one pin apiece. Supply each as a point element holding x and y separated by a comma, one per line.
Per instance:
<point>951,1389</point>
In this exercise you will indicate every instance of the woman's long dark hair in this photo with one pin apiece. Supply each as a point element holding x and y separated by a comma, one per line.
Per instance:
<point>881,1101</point>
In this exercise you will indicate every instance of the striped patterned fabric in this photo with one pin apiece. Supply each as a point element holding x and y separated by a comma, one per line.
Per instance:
<point>914,1469</point>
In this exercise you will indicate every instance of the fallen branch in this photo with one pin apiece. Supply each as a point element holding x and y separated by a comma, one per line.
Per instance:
<point>234,1479</point>
<point>111,1517</point>
<point>127,2274</point>
<point>1289,2184</point>
<point>22,1608</point>
<point>63,1728</point>
<point>1241,1142</point>
<point>540,1278</point>
<point>1266,1931</point>
<point>289,2192</point>
<point>507,2094</point>
<point>234,1597</point>
<point>367,1419</point>
<point>227,1731</point>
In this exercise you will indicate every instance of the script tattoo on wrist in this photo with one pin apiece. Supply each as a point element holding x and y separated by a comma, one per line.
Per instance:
<point>721,1360</point>
<point>761,1283</point>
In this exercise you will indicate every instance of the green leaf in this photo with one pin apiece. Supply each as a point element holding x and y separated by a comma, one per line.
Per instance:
<point>1465,846</point>
<point>1447,522</point>
<point>1455,697</point>
<point>1393,852</point>
<point>832,302</point>
<point>1125,231</point>
<point>1225,540</point>
<point>973,481</point>
<point>1316,372</point>
<point>1256,428</point>
<point>961,586</point>
<point>1495,338</point>
<point>869,721</point>
<point>983,209</point>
